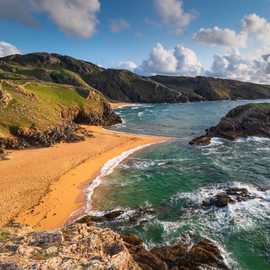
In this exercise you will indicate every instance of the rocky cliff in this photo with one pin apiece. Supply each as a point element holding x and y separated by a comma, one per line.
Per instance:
<point>38,113</point>
<point>84,246</point>
<point>242,121</point>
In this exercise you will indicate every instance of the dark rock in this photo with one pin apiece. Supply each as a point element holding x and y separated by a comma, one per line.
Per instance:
<point>202,140</point>
<point>9,266</point>
<point>243,121</point>
<point>132,240</point>
<point>202,255</point>
<point>114,249</point>
<point>109,216</point>
<point>220,200</point>
<point>229,196</point>
<point>44,239</point>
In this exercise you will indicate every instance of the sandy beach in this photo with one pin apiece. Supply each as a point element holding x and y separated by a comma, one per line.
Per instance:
<point>119,105</point>
<point>43,187</point>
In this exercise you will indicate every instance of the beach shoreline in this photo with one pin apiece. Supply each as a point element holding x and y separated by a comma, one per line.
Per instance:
<point>48,186</point>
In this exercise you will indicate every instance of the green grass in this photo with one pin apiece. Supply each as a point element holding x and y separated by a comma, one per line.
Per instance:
<point>39,104</point>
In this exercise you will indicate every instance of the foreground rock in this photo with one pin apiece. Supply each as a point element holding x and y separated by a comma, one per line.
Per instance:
<point>79,246</point>
<point>229,196</point>
<point>84,246</point>
<point>243,121</point>
<point>182,256</point>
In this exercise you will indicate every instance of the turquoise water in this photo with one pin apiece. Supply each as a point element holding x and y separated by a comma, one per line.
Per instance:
<point>173,178</point>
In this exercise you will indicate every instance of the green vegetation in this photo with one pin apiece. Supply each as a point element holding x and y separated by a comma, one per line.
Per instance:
<point>43,92</point>
<point>40,105</point>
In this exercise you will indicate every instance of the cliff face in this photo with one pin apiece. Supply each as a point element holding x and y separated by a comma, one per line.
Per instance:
<point>125,86</point>
<point>242,121</point>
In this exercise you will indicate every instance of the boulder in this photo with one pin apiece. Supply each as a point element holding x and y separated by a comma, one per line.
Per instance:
<point>229,196</point>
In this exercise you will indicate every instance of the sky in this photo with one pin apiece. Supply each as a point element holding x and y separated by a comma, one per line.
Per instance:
<point>227,39</point>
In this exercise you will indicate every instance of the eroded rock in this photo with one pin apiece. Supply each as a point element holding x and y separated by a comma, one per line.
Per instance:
<point>243,121</point>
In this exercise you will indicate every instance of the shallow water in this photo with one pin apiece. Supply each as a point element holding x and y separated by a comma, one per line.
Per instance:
<point>174,178</point>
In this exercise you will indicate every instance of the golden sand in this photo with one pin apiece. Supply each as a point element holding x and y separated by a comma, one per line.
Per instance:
<point>43,187</point>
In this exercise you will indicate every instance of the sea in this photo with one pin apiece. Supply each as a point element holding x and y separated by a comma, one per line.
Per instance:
<point>174,178</point>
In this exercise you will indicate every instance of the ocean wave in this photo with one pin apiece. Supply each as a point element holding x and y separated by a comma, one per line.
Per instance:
<point>107,169</point>
<point>239,216</point>
<point>253,139</point>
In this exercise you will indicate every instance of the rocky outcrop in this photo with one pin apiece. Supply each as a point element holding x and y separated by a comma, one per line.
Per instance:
<point>229,196</point>
<point>33,137</point>
<point>84,246</point>
<point>184,255</point>
<point>243,121</point>
<point>78,246</point>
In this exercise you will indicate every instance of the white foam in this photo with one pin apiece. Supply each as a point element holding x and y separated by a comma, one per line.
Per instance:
<point>107,169</point>
<point>239,216</point>
<point>253,139</point>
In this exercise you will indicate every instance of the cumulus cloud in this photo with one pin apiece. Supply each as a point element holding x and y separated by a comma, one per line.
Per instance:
<point>257,25</point>
<point>7,49</point>
<point>74,17</point>
<point>128,65</point>
<point>172,13</point>
<point>235,66</point>
<point>252,25</point>
<point>224,37</point>
<point>118,25</point>
<point>178,61</point>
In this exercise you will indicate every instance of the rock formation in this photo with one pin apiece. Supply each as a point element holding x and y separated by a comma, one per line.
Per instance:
<point>243,121</point>
<point>84,246</point>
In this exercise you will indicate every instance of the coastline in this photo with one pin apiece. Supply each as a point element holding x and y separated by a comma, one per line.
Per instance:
<point>44,187</point>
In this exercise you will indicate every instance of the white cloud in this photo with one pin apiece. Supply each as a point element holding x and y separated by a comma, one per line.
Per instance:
<point>172,13</point>
<point>223,37</point>
<point>128,65</point>
<point>178,61</point>
<point>235,66</point>
<point>7,49</point>
<point>74,17</point>
<point>118,25</point>
<point>252,25</point>
<point>257,25</point>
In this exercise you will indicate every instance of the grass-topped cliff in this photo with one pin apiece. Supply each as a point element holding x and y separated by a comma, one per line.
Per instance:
<point>243,121</point>
<point>39,113</point>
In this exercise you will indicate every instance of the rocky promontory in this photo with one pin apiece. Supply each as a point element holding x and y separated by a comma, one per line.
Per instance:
<point>40,114</point>
<point>85,246</point>
<point>243,121</point>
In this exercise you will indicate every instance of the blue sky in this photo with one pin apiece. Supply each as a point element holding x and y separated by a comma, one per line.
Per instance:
<point>38,25</point>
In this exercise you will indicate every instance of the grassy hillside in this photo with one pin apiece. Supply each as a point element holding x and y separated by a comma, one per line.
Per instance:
<point>35,112</point>
<point>205,88</point>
